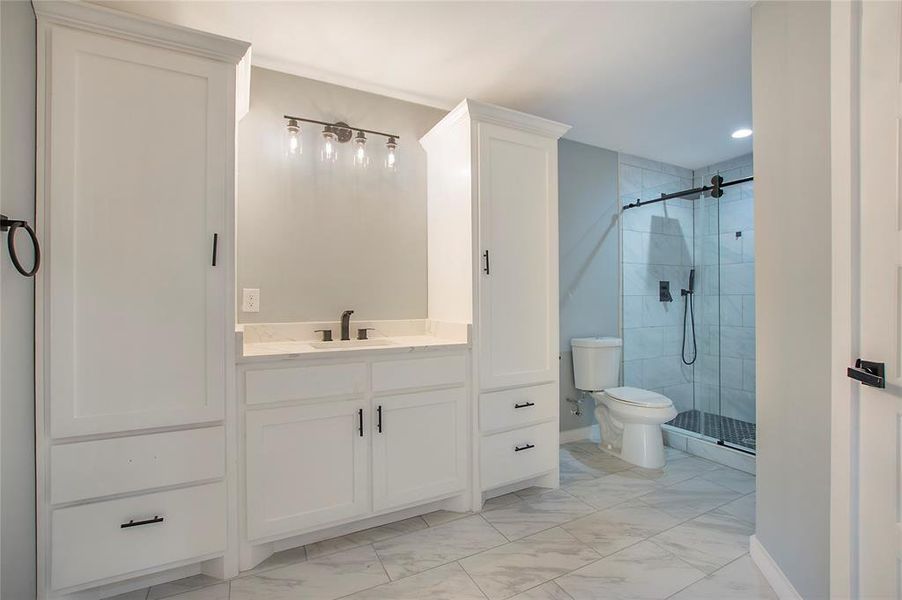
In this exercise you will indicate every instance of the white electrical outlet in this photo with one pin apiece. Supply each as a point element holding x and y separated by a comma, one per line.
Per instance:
<point>250,301</point>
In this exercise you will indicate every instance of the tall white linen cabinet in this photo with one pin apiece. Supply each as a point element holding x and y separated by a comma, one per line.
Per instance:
<point>135,303</point>
<point>493,262</point>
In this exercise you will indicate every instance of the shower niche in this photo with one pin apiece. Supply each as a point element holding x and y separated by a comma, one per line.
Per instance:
<point>696,344</point>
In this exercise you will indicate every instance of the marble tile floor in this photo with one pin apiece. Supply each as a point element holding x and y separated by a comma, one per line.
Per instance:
<point>611,531</point>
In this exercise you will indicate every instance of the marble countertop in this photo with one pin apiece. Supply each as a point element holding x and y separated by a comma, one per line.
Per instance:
<point>270,342</point>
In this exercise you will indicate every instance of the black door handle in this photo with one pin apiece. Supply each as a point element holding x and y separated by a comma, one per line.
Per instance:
<point>215,247</point>
<point>379,418</point>
<point>360,421</point>
<point>869,373</point>
<point>486,256</point>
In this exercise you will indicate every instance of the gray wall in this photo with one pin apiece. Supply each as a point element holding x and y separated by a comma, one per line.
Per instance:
<point>589,257</point>
<point>791,109</point>
<point>317,240</point>
<point>17,115</point>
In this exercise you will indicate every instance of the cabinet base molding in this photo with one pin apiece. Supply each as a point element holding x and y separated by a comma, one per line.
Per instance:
<point>552,480</point>
<point>129,585</point>
<point>254,553</point>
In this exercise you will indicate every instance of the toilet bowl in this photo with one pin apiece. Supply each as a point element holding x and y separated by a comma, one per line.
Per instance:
<point>629,418</point>
<point>630,421</point>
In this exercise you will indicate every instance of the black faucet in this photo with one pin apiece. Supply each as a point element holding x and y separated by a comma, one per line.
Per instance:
<point>346,324</point>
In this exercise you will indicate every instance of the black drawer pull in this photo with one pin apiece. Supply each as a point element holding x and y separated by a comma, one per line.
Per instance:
<point>360,421</point>
<point>524,447</point>
<point>215,247</point>
<point>524,405</point>
<point>133,523</point>
<point>379,421</point>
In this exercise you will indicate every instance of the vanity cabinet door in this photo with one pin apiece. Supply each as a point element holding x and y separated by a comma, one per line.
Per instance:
<point>133,305</point>
<point>518,282</point>
<point>306,466</point>
<point>419,448</point>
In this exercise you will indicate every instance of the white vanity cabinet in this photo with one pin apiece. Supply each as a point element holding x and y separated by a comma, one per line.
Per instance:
<point>134,302</point>
<point>493,261</point>
<point>418,446</point>
<point>333,441</point>
<point>306,465</point>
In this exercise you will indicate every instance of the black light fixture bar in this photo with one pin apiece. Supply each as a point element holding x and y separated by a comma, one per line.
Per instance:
<point>691,192</point>
<point>342,126</point>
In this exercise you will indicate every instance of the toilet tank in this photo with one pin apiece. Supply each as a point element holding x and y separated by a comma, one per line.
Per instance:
<point>596,362</point>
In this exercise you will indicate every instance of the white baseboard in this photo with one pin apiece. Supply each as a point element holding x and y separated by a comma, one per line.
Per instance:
<point>771,571</point>
<point>589,432</point>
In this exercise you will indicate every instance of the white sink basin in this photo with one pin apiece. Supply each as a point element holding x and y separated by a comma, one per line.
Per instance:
<point>342,344</point>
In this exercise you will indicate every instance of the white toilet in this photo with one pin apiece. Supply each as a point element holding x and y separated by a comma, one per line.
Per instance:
<point>629,418</point>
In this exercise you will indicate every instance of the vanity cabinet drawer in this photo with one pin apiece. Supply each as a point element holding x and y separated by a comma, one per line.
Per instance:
<point>517,407</point>
<point>89,542</point>
<point>129,464</point>
<point>419,372</point>
<point>519,454</point>
<point>304,383</point>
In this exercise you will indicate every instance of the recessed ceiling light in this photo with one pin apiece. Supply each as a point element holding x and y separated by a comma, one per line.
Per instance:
<point>741,133</point>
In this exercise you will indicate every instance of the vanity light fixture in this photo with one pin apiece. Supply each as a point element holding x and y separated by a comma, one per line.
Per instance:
<point>329,153</point>
<point>340,133</point>
<point>294,138</point>
<point>741,133</point>
<point>391,155</point>
<point>360,158</point>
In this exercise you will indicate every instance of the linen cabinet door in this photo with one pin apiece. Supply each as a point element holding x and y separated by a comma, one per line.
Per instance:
<point>419,447</point>
<point>306,466</point>
<point>517,186</point>
<point>134,189</point>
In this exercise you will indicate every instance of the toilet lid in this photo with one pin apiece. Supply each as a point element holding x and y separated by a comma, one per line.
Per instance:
<point>639,397</point>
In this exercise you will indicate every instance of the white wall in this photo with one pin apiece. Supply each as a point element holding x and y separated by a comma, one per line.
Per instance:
<point>17,122</point>
<point>319,240</point>
<point>588,207</point>
<point>791,109</point>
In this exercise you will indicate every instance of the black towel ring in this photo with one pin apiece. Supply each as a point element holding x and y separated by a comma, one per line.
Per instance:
<point>12,225</point>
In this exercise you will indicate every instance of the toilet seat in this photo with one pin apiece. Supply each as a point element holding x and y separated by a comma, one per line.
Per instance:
<point>639,397</point>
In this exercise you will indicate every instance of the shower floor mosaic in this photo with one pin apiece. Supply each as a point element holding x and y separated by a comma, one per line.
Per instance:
<point>731,431</point>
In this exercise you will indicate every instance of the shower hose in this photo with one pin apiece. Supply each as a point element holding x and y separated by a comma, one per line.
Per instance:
<point>689,313</point>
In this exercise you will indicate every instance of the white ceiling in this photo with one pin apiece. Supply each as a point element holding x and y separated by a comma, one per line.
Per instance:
<point>664,80</point>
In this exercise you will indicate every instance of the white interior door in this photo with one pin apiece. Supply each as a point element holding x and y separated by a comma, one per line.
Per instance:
<point>880,501</point>
<point>135,190</point>
<point>518,305</point>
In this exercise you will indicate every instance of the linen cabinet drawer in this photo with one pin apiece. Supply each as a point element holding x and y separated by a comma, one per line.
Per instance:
<point>517,455</point>
<point>110,539</point>
<point>304,383</point>
<point>411,373</point>
<point>129,464</point>
<point>517,407</point>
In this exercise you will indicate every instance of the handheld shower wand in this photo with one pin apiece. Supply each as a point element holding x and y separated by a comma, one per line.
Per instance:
<point>689,311</point>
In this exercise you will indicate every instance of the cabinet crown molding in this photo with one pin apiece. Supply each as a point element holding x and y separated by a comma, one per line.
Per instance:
<point>492,113</point>
<point>99,19</point>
